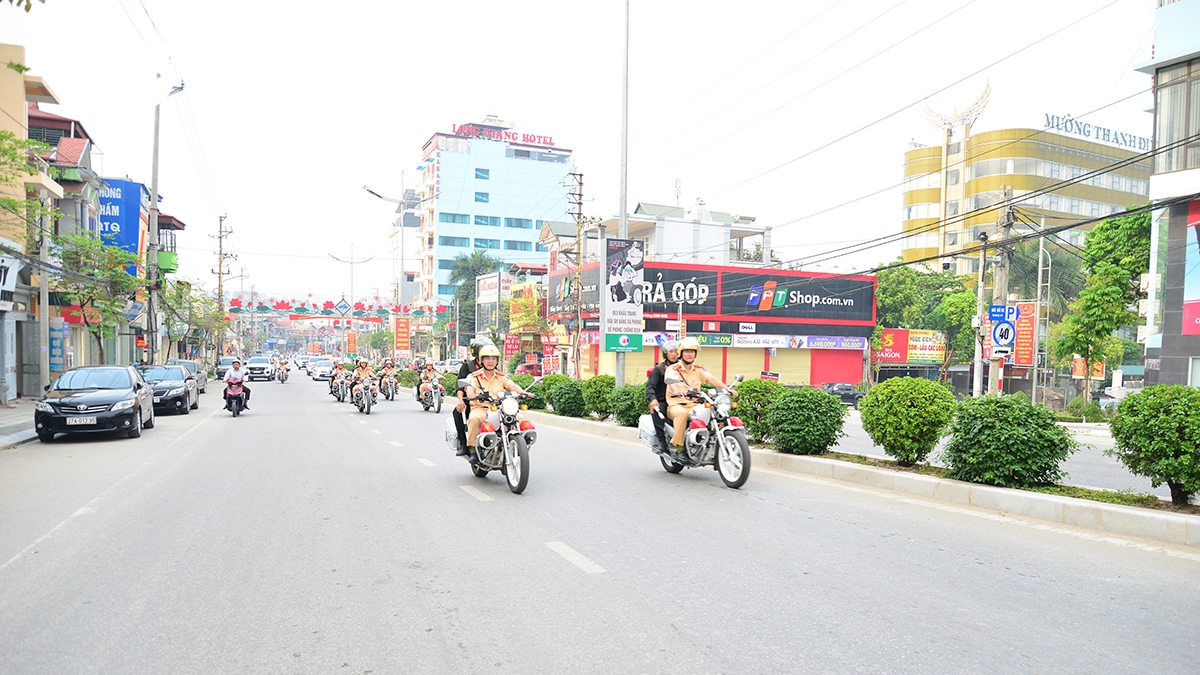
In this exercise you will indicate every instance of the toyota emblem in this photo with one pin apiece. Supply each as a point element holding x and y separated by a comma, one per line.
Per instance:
<point>81,407</point>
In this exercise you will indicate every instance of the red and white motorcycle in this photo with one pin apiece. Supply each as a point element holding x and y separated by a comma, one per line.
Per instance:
<point>714,437</point>
<point>503,442</point>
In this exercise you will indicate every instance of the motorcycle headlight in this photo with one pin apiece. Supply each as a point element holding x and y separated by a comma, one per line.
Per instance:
<point>44,407</point>
<point>723,407</point>
<point>510,406</point>
<point>125,405</point>
<point>176,391</point>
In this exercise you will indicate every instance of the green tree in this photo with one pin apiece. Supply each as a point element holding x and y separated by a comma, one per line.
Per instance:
<point>953,317</point>
<point>382,341</point>
<point>17,214</point>
<point>190,313</point>
<point>464,268</point>
<point>94,277</point>
<point>1065,279</point>
<point>1123,242</point>
<point>1088,330</point>
<point>906,296</point>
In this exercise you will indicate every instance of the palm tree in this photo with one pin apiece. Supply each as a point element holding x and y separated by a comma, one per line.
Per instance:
<point>1066,275</point>
<point>466,267</point>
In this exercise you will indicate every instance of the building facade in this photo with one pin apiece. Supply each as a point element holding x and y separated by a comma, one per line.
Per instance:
<point>1172,309</point>
<point>489,187</point>
<point>950,187</point>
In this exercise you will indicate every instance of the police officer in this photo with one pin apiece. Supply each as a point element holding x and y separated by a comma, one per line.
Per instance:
<point>469,366</point>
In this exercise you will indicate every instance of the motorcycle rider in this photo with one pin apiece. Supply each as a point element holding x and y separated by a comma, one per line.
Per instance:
<point>468,366</point>
<point>339,369</point>
<point>389,369</point>
<point>656,390</point>
<point>281,368</point>
<point>428,377</point>
<point>237,372</point>
<point>680,378</point>
<point>361,372</point>
<point>488,378</point>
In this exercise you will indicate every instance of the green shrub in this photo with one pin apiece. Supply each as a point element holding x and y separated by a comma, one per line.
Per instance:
<point>1093,413</point>
<point>567,399</point>
<point>1020,396</point>
<point>1157,431</point>
<point>907,415</point>
<point>806,421</point>
<point>539,391</point>
<point>628,404</point>
<point>523,381</point>
<point>597,395</point>
<point>1001,440</point>
<point>549,383</point>
<point>516,360</point>
<point>408,378</point>
<point>450,382</point>
<point>1076,406</point>
<point>1064,417</point>
<point>753,399</point>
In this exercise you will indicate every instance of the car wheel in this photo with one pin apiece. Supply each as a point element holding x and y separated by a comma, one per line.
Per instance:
<point>136,431</point>
<point>196,404</point>
<point>149,424</point>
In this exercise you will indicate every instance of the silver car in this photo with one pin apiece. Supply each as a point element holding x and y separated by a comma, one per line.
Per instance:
<point>320,370</point>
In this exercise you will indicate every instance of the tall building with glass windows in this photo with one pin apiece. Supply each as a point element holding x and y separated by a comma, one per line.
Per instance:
<point>948,187</point>
<point>487,186</point>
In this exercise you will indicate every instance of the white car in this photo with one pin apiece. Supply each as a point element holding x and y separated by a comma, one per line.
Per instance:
<point>320,370</point>
<point>260,368</point>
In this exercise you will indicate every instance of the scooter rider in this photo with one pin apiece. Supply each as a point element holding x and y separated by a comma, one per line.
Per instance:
<point>682,377</point>
<point>237,372</point>
<point>468,367</point>
<point>488,378</point>
<point>656,390</point>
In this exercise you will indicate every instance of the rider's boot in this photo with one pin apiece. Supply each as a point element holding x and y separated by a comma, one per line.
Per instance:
<point>464,450</point>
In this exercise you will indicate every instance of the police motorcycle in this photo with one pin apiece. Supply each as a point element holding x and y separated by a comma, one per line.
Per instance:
<point>340,387</point>
<point>365,393</point>
<point>714,437</point>
<point>503,442</point>
<point>432,397</point>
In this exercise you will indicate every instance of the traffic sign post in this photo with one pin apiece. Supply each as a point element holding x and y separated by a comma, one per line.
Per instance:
<point>1003,334</point>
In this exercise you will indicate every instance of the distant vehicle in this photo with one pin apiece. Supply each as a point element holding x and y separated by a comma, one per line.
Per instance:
<point>534,369</point>
<point>845,392</point>
<point>174,388</point>
<point>449,366</point>
<point>94,399</point>
<point>223,365</point>
<point>196,369</point>
<point>302,361</point>
<point>320,370</point>
<point>260,368</point>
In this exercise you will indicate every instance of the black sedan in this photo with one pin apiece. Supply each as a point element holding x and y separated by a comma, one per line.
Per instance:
<point>174,388</point>
<point>94,399</point>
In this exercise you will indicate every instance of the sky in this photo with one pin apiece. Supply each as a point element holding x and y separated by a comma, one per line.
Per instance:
<point>779,111</point>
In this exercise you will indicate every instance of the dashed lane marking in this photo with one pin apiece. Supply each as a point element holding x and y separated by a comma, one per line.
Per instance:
<point>475,492</point>
<point>574,557</point>
<point>425,461</point>
<point>376,431</point>
<point>396,443</point>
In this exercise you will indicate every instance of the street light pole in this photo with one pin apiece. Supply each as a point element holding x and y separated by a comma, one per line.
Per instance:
<point>623,218</point>
<point>152,245</point>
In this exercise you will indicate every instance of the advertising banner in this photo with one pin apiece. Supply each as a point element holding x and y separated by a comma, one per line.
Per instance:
<point>8,282</point>
<point>512,345</point>
<point>403,331</point>
<point>1079,367</point>
<point>1191,276</point>
<point>121,218</point>
<point>762,341</point>
<point>560,299</point>
<point>621,321</point>
<point>1023,345</point>
<point>769,294</point>
<point>667,287</point>
<point>492,288</point>
<point>351,343</point>
<point>926,346</point>
<point>714,339</point>
<point>828,342</point>
<point>58,335</point>
<point>526,307</point>
<point>893,346</point>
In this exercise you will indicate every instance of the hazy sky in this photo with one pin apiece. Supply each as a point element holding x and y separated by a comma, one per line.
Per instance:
<point>296,105</point>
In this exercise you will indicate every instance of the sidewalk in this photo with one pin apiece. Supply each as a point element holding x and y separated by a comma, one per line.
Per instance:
<point>16,422</point>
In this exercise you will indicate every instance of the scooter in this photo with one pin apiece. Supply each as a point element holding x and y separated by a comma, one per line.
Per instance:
<point>235,397</point>
<point>715,437</point>
<point>339,388</point>
<point>503,442</point>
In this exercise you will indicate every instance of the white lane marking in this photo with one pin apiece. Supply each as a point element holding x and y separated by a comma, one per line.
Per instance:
<point>376,431</point>
<point>425,461</point>
<point>574,557</point>
<point>994,517</point>
<point>362,421</point>
<point>91,506</point>
<point>474,492</point>
<point>396,443</point>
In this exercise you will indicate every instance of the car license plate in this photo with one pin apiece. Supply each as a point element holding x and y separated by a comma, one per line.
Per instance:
<point>71,421</point>
<point>158,399</point>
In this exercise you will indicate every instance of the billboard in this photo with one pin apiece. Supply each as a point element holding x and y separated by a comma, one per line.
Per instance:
<point>121,220</point>
<point>826,298</point>
<point>1024,348</point>
<point>402,348</point>
<point>901,345</point>
<point>1191,275</point>
<point>621,320</point>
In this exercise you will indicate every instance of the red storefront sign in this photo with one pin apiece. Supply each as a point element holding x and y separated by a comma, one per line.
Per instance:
<point>1023,345</point>
<point>893,346</point>
<point>512,345</point>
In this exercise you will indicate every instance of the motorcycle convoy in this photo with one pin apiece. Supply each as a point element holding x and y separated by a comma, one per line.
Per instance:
<point>502,438</point>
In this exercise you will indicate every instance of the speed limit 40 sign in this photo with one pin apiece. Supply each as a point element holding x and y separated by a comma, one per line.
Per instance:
<point>1003,333</point>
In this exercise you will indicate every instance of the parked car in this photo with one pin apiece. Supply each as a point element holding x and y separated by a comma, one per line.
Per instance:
<point>223,365</point>
<point>320,370</point>
<point>260,368</point>
<point>196,369</point>
<point>92,399</point>
<point>845,392</point>
<point>534,369</point>
<point>174,388</point>
<point>448,366</point>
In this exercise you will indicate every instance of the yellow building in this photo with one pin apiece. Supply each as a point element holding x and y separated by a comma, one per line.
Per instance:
<point>949,187</point>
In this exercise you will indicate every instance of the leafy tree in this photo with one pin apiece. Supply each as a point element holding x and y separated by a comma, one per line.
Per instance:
<point>190,312</point>
<point>906,415</point>
<point>94,277</point>
<point>1101,309</point>
<point>906,296</point>
<point>1157,431</point>
<point>1066,273</point>
<point>597,394</point>
<point>382,341</point>
<point>1123,242</point>
<point>464,268</point>
<point>1006,441</point>
<point>19,215</point>
<point>953,317</point>
<point>806,421</point>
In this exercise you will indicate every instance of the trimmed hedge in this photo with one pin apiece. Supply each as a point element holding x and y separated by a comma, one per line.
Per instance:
<point>806,421</point>
<point>597,395</point>
<point>1076,406</point>
<point>753,400</point>
<point>1093,413</point>
<point>907,415</point>
<point>567,399</point>
<point>450,382</point>
<point>549,383</point>
<point>628,404</point>
<point>408,378</point>
<point>1157,431</point>
<point>1001,440</point>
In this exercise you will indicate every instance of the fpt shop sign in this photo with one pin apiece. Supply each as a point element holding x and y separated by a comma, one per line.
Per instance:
<point>799,297</point>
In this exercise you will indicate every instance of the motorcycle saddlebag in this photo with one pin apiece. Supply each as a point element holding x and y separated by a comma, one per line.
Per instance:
<point>646,433</point>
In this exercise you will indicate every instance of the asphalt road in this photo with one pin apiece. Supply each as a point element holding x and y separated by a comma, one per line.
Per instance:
<point>305,537</point>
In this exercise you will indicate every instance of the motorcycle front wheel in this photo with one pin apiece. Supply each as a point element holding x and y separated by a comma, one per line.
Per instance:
<point>367,403</point>
<point>516,460</point>
<point>439,404</point>
<point>733,460</point>
<point>670,466</point>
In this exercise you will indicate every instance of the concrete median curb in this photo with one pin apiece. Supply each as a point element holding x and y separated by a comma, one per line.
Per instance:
<point>1173,528</point>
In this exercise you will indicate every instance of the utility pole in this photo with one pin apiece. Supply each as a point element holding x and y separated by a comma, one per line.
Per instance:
<point>623,221</point>
<point>222,256</point>
<point>1000,283</point>
<point>152,270</point>
<point>44,295</point>
<point>1037,314</point>
<point>576,199</point>
<point>977,380</point>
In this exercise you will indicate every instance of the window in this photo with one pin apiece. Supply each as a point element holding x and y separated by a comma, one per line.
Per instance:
<point>519,154</point>
<point>483,174</point>
<point>460,218</point>
<point>445,264</point>
<point>511,245</point>
<point>480,242</point>
<point>482,197</point>
<point>490,221</point>
<point>522,223</point>
<point>952,177</point>
<point>454,241</point>
<point>952,208</point>
<point>446,289</point>
<point>922,210</point>
<point>923,181</point>
<point>1177,116</point>
<point>954,148</point>
<point>951,239</point>
<point>541,248</point>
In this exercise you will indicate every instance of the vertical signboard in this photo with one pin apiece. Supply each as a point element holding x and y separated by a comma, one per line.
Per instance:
<point>623,284</point>
<point>121,218</point>
<point>58,334</point>
<point>1191,275</point>
<point>512,345</point>
<point>402,331</point>
<point>351,343</point>
<point>1024,347</point>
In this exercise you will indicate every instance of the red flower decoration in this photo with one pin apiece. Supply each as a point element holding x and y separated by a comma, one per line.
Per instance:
<point>328,305</point>
<point>235,302</point>
<point>359,306</point>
